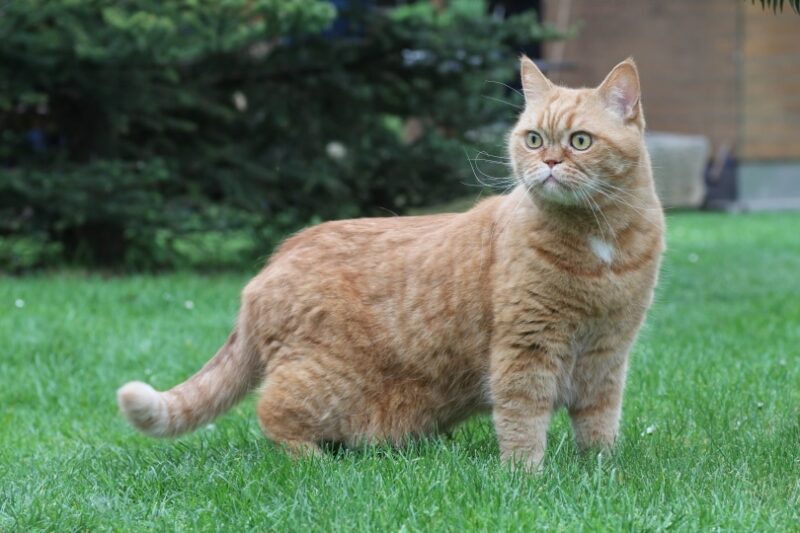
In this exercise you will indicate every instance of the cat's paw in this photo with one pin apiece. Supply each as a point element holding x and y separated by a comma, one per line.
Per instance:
<point>594,438</point>
<point>530,461</point>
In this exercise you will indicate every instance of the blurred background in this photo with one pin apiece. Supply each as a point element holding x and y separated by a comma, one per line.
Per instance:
<point>150,135</point>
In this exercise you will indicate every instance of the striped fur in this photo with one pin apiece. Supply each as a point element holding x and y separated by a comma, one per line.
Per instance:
<point>377,330</point>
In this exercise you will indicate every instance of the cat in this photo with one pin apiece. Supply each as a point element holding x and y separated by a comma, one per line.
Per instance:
<point>384,329</point>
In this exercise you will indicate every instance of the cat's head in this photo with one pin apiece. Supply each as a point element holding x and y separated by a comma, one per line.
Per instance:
<point>570,144</point>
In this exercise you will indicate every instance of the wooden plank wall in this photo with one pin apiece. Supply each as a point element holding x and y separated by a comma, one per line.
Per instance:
<point>770,85</point>
<point>685,51</point>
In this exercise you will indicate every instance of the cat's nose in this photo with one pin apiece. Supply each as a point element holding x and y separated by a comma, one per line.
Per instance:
<point>552,162</point>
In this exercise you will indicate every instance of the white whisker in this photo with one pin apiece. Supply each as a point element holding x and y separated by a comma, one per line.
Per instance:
<point>506,86</point>
<point>502,101</point>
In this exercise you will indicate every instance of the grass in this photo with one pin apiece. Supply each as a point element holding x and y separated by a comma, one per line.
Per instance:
<point>710,435</point>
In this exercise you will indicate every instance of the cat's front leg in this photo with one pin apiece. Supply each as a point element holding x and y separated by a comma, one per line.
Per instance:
<point>524,384</point>
<point>598,381</point>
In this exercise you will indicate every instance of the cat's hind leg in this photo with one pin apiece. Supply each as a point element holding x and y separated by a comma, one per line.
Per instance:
<point>291,412</point>
<point>315,399</point>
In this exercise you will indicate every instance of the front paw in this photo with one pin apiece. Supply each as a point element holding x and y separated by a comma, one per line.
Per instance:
<point>527,460</point>
<point>593,439</point>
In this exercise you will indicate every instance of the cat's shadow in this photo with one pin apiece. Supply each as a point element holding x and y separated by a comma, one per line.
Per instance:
<point>415,447</point>
<point>473,440</point>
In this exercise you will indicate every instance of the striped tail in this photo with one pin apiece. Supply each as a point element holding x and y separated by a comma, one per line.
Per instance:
<point>217,387</point>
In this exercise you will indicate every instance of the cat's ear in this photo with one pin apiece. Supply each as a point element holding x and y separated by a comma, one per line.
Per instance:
<point>534,83</point>
<point>620,90</point>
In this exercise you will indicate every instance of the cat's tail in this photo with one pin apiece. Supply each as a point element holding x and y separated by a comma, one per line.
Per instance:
<point>217,387</point>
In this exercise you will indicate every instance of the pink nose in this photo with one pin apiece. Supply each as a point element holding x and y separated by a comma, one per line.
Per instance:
<point>552,162</point>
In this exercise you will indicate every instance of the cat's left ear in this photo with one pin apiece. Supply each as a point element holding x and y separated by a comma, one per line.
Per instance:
<point>620,90</point>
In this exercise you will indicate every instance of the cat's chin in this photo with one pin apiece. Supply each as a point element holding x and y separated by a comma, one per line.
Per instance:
<point>551,190</point>
<point>557,195</point>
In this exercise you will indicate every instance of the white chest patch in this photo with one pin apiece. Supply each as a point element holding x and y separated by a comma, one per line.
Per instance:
<point>603,250</point>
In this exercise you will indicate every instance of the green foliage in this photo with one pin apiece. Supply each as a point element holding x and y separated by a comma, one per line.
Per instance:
<point>128,128</point>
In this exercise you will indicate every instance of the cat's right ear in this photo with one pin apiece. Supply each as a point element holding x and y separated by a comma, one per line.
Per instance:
<point>534,83</point>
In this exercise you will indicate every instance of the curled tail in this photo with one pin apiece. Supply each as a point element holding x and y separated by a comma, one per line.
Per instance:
<point>217,387</point>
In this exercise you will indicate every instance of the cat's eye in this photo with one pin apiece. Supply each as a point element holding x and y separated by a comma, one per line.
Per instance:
<point>533,140</point>
<point>580,140</point>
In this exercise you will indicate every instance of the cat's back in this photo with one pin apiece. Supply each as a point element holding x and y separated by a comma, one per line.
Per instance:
<point>380,280</point>
<point>376,240</point>
<point>382,251</point>
<point>341,239</point>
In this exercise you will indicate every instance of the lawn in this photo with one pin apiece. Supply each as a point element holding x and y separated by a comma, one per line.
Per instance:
<point>710,433</point>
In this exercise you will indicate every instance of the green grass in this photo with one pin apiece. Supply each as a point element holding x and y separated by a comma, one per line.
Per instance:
<point>710,434</point>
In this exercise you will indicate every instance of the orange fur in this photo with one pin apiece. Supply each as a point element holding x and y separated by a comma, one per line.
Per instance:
<point>377,330</point>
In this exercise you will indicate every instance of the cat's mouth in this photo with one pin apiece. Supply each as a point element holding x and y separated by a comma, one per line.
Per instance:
<point>551,187</point>
<point>554,189</point>
<point>548,184</point>
<point>552,182</point>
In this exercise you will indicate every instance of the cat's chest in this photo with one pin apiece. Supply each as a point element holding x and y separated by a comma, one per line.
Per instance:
<point>572,277</point>
<point>602,250</point>
<point>594,282</point>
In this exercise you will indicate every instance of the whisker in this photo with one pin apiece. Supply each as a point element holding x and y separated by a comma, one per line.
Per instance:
<point>491,161</point>
<point>610,227</point>
<point>594,208</point>
<point>615,198</point>
<point>598,188</point>
<point>522,198</point>
<point>584,198</point>
<point>642,210</point>
<point>499,180</point>
<point>502,101</point>
<point>506,86</point>
<point>487,154</point>
<point>490,157</point>
<point>513,183</point>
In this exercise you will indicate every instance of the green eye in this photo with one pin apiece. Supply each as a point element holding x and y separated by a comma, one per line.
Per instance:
<point>580,140</point>
<point>533,140</point>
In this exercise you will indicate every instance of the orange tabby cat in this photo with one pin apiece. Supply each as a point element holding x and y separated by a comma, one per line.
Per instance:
<point>386,328</point>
